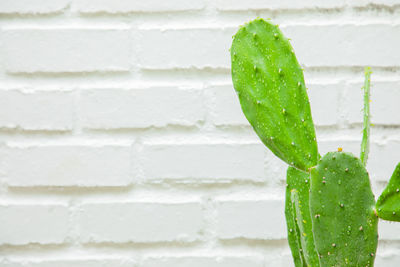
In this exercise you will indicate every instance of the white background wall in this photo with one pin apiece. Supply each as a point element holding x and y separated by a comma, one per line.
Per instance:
<point>123,144</point>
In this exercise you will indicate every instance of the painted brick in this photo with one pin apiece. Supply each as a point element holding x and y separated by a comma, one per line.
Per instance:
<point>198,261</point>
<point>65,165</point>
<point>140,222</point>
<point>389,230</point>
<point>283,259</point>
<point>251,219</point>
<point>390,259</point>
<point>383,159</point>
<point>184,48</point>
<point>61,50</point>
<point>227,109</point>
<point>36,110</point>
<point>324,103</point>
<point>275,169</point>
<point>284,4</point>
<point>70,263</point>
<point>139,108</point>
<point>125,6</point>
<point>24,224</point>
<point>310,43</point>
<point>140,71</point>
<point>201,48</point>
<point>218,162</point>
<point>32,7</point>
<point>353,103</point>
<point>360,3</point>
<point>237,5</point>
<point>384,103</point>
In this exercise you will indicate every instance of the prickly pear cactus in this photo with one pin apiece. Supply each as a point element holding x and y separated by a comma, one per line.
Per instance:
<point>270,85</point>
<point>298,218</point>
<point>342,208</point>
<point>331,215</point>
<point>388,205</point>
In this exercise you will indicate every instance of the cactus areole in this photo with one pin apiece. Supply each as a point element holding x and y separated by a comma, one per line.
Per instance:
<point>331,213</point>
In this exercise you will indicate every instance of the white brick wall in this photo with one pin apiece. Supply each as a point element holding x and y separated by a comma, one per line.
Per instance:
<point>32,7</point>
<point>64,165</point>
<point>140,222</point>
<point>223,161</point>
<point>71,263</point>
<point>123,6</point>
<point>122,142</point>
<point>203,261</point>
<point>159,107</point>
<point>37,110</point>
<point>61,50</point>
<point>34,223</point>
<point>251,219</point>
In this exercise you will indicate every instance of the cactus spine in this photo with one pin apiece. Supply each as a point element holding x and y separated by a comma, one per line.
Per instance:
<point>331,214</point>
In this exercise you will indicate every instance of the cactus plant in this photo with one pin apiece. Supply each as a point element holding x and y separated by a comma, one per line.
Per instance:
<point>331,213</point>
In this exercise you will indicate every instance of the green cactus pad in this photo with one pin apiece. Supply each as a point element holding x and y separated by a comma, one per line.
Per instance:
<point>388,204</point>
<point>342,210</point>
<point>294,233</point>
<point>270,84</point>
<point>298,219</point>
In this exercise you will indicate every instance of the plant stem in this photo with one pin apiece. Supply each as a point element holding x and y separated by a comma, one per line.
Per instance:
<point>366,125</point>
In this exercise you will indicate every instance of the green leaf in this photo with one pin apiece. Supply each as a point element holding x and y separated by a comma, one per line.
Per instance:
<point>298,218</point>
<point>342,209</point>
<point>270,84</point>
<point>388,204</point>
<point>366,124</point>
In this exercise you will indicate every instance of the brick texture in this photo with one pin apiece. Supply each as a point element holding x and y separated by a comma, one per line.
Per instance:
<point>123,143</point>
